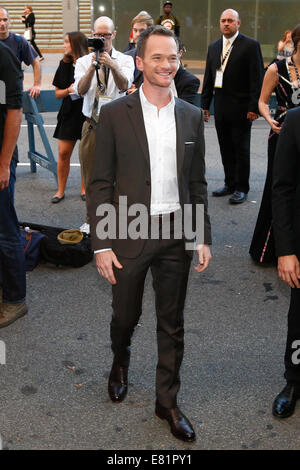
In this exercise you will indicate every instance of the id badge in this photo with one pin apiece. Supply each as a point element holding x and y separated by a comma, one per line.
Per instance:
<point>219,79</point>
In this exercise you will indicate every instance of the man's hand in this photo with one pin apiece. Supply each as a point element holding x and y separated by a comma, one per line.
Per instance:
<point>4,176</point>
<point>252,116</point>
<point>105,59</point>
<point>289,270</point>
<point>34,91</point>
<point>204,255</point>
<point>104,262</point>
<point>206,115</point>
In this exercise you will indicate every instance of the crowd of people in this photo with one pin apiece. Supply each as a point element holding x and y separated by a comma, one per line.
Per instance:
<point>142,137</point>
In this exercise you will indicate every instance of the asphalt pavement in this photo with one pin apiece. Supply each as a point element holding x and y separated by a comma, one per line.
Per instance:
<point>58,357</point>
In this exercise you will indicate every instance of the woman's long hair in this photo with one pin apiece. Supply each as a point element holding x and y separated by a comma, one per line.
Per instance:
<point>296,37</point>
<point>285,35</point>
<point>79,46</point>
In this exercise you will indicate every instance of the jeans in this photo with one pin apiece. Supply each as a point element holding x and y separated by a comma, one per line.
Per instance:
<point>12,259</point>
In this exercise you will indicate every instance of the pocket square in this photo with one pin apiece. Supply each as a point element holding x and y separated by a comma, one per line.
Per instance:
<point>188,143</point>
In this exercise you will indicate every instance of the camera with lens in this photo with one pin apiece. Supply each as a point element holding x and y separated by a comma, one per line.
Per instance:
<point>98,44</point>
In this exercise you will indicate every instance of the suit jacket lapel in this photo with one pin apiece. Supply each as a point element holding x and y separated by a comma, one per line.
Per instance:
<point>136,118</point>
<point>219,48</point>
<point>180,125</point>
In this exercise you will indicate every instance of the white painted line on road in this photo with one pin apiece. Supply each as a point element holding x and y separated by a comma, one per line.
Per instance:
<point>28,164</point>
<point>44,125</point>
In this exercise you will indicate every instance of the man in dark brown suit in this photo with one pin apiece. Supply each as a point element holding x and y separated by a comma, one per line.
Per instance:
<point>286,224</point>
<point>154,157</point>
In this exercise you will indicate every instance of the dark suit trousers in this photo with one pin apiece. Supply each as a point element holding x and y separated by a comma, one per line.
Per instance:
<point>292,352</point>
<point>234,142</point>
<point>169,266</point>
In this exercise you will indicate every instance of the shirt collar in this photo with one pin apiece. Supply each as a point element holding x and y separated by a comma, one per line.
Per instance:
<point>146,103</point>
<point>233,38</point>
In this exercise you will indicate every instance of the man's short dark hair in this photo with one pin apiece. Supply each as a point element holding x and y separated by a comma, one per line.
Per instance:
<point>168,3</point>
<point>157,30</point>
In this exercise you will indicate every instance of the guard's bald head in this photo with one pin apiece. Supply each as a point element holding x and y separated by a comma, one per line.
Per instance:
<point>104,20</point>
<point>231,12</point>
<point>229,23</point>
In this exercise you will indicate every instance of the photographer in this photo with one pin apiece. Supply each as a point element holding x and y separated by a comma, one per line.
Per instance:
<point>99,82</point>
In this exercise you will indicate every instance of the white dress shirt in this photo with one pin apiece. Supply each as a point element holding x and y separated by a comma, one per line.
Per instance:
<point>160,129</point>
<point>126,64</point>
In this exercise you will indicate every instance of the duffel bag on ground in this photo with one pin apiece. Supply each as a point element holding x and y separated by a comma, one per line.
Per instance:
<point>52,251</point>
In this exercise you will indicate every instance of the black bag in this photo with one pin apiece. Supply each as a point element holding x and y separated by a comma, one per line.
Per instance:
<point>32,243</point>
<point>51,251</point>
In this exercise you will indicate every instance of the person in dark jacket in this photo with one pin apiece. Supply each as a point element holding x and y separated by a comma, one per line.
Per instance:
<point>286,224</point>
<point>233,76</point>
<point>29,19</point>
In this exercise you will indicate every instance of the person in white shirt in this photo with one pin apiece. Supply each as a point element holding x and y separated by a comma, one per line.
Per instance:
<point>154,163</point>
<point>115,75</point>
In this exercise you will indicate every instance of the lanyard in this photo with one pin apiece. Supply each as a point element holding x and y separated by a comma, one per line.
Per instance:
<point>226,55</point>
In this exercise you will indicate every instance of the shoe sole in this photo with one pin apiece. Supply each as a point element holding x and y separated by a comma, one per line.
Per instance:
<point>9,322</point>
<point>185,439</point>
<point>221,195</point>
<point>237,202</point>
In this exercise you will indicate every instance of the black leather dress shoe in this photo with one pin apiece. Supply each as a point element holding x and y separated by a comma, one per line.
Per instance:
<point>284,404</point>
<point>118,383</point>
<point>238,197</point>
<point>180,425</point>
<point>222,191</point>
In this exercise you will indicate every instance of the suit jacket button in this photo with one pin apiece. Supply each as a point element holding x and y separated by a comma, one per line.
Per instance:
<point>148,183</point>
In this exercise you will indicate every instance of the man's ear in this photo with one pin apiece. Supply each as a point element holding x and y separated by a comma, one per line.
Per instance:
<point>139,63</point>
<point>114,35</point>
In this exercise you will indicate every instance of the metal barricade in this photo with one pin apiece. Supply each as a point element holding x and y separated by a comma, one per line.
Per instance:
<point>32,108</point>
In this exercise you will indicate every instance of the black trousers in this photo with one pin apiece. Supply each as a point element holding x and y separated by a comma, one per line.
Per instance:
<point>35,47</point>
<point>170,267</point>
<point>292,352</point>
<point>234,142</point>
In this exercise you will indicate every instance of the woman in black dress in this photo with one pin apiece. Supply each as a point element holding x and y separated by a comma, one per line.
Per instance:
<point>283,77</point>
<point>70,118</point>
<point>29,19</point>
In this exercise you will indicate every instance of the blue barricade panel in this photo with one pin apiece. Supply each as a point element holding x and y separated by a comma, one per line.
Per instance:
<point>32,108</point>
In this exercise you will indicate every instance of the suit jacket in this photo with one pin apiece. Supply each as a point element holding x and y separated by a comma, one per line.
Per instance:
<point>122,165</point>
<point>242,79</point>
<point>138,75</point>
<point>286,187</point>
<point>187,85</point>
